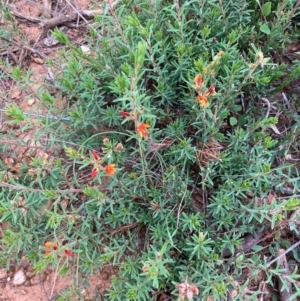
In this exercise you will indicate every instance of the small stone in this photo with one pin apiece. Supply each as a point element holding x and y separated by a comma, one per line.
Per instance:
<point>38,60</point>
<point>30,269</point>
<point>43,277</point>
<point>24,262</point>
<point>35,280</point>
<point>50,41</point>
<point>48,270</point>
<point>85,49</point>
<point>105,276</point>
<point>3,273</point>
<point>19,278</point>
<point>29,274</point>
<point>289,157</point>
<point>16,94</point>
<point>31,101</point>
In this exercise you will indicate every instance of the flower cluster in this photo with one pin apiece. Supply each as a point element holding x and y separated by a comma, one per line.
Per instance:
<point>187,290</point>
<point>52,246</point>
<point>110,169</point>
<point>202,98</point>
<point>141,128</point>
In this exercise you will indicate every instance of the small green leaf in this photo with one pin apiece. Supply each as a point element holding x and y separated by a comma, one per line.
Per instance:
<point>240,258</point>
<point>237,108</point>
<point>265,29</point>
<point>233,121</point>
<point>257,248</point>
<point>243,119</point>
<point>266,8</point>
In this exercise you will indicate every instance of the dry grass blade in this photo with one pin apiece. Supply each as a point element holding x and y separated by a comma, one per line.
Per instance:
<point>210,151</point>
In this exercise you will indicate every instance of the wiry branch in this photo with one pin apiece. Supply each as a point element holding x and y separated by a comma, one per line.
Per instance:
<point>63,19</point>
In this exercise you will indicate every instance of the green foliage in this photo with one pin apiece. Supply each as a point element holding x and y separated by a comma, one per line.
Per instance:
<point>145,218</point>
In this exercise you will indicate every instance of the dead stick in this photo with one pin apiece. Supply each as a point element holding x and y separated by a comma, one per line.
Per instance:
<point>285,294</point>
<point>23,47</point>
<point>47,8</point>
<point>59,20</point>
<point>56,21</point>
<point>283,254</point>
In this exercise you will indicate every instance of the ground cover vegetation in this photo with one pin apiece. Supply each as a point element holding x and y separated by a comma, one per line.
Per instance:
<point>166,153</point>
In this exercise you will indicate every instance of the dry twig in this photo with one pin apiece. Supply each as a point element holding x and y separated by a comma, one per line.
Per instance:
<point>285,294</point>
<point>47,8</point>
<point>283,253</point>
<point>63,19</point>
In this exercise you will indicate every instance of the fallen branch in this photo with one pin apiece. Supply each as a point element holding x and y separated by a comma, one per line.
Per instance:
<point>63,19</point>
<point>124,228</point>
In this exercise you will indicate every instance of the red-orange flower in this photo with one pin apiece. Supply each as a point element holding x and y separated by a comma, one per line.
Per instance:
<point>203,101</point>
<point>95,155</point>
<point>69,253</point>
<point>142,129</point>
<point>94,172</point>
<point>211,91</point>
<point>50,247</point>
<point>198,80</point>
<point>124,114</point>
<point>110,169</point>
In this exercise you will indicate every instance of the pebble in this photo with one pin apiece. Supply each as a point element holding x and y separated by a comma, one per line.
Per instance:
<point>105,276</point>
<point>38,60</point>
<point>15,94</point>
<point>19,278</point>
<point>29,274</point>
<point>85,49</point>
<point>3,273</point>
<point>31,101</point>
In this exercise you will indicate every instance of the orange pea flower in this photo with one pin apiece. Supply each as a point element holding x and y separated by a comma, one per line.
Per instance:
<point>142,130</point>
<point>110,169</point>
<point>211,91</point>
<point>203,101</point>
<point>198,81</point>
<point>50,247</point>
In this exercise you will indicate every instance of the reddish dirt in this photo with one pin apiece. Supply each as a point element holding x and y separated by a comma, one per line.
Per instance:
<point>47,285</point>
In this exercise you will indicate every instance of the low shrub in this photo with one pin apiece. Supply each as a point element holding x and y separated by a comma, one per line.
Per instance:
<point>159,155</point>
